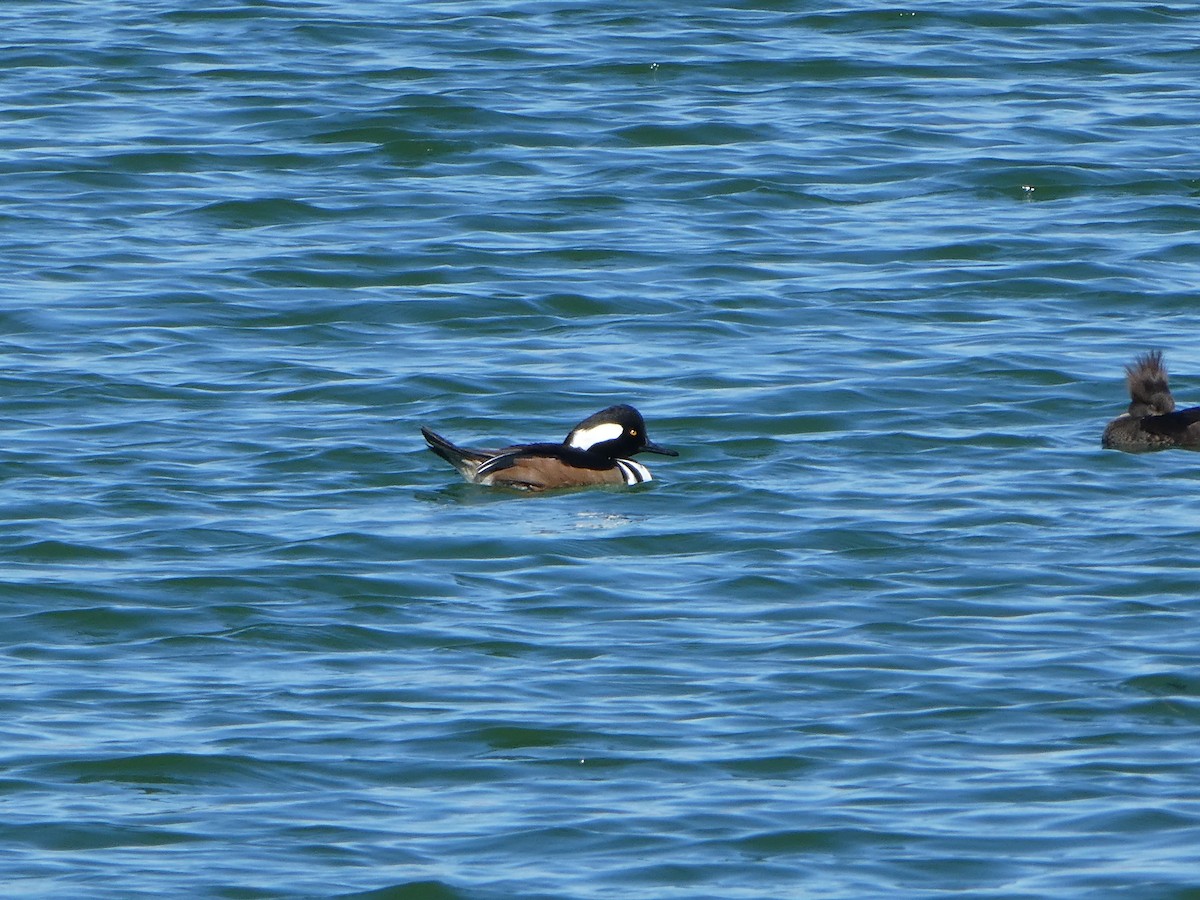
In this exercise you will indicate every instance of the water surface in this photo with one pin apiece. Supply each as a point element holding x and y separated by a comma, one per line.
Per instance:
<point>892,622</point>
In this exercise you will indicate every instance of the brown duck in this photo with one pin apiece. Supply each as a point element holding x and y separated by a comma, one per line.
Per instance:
<point>1152,422</point>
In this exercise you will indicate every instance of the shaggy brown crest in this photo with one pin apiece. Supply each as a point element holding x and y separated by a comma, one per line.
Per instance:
<point>1149,392</point>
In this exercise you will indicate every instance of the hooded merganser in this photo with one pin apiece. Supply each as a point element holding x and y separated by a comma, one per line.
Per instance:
<point>593,453</point>
<point>1152,422</point>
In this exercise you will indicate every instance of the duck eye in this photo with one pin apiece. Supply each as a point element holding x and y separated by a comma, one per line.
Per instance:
<point>633,432</point>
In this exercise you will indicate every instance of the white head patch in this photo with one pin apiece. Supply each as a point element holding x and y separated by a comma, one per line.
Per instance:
<point>587,438</point>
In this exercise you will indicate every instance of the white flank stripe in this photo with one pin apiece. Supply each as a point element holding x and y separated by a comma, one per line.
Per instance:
<point>632,472</point>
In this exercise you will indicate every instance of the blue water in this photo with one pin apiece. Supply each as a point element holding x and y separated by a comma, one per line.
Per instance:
<point>892,624</point>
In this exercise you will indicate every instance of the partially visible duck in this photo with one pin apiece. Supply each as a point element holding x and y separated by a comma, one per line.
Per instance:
<point>1152,422</point>
<point>595,452</point>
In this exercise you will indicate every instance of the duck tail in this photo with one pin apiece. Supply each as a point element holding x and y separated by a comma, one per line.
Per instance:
<point>1149,392</point>
<point>466,461</point>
